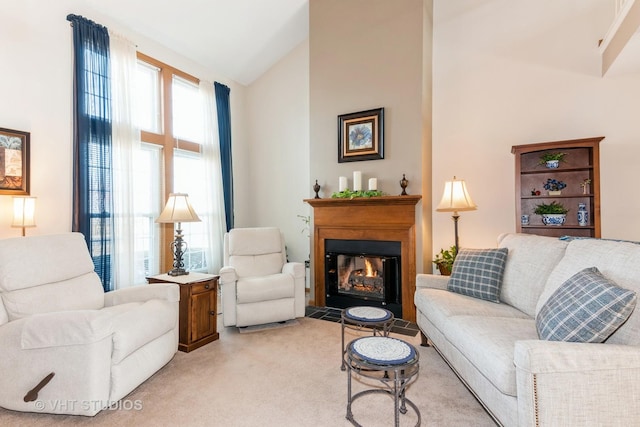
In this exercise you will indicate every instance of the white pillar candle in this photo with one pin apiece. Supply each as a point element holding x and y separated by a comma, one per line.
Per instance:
<point>373,184</point>
<point>342,183</point>
<point>357,181</point>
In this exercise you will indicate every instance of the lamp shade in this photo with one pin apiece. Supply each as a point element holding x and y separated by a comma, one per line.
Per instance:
<point>178,209</point>
<point>24,212</point>
<point>456,197</point>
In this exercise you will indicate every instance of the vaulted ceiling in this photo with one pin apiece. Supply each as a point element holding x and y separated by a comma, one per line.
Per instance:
<point>240,39</point>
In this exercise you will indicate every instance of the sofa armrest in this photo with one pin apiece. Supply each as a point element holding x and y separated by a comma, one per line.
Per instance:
<point>64,328</point>
<point>433,281</point>
<point>294,268</point>
<point>228,274</point>
<point>163,291</point>
<point>560,383</point>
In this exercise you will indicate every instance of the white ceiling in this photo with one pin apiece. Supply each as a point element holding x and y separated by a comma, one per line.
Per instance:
<point>240,39</point>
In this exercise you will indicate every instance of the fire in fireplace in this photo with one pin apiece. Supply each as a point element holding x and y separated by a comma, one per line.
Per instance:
<point>363,272</point>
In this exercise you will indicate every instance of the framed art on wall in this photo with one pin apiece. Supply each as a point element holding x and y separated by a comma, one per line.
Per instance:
<point>14,162</point>
<point>361,136</point>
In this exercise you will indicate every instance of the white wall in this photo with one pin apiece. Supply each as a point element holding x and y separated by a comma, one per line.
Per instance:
<point>508,73</point>
<point>277,176</point>
<point>36,58</point>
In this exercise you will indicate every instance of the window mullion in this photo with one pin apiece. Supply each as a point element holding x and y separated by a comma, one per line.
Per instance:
<point>167,230</point>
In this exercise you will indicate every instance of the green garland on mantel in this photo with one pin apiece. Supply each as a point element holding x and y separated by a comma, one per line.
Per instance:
<point>348,194</point>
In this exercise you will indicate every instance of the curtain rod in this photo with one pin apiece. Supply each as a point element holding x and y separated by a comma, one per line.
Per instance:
<point>78,18</point>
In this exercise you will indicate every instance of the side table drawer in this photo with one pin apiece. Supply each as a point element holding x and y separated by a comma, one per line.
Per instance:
<point>198,288</point>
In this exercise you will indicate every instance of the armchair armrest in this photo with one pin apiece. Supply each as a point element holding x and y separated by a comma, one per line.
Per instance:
<point>64,328</point>
<point>433,281</point>
<point>294,268</point>
<point>228,274</point>
<point>560,383</point>
<point>164,291</point>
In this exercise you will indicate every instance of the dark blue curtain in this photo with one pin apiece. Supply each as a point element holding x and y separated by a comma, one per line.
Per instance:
<point>224,131</point>
<point>92,183</point>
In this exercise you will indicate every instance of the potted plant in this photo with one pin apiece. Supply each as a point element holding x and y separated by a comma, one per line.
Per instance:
<point>552,213</point>
<point>444,260</point>
<point>552,160</point>
<point>554,186</point>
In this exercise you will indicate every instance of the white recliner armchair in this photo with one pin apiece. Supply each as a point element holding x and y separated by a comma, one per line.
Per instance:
<point>257,283</point>
<point>67,346</point>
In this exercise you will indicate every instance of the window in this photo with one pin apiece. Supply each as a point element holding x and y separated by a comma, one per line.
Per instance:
<point>188,178</point>
<point>149,113</point>
<point>147,180</point>
<point>169,112</point>
<point>187,111</point>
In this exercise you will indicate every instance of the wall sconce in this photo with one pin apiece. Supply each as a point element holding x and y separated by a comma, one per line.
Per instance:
<point>456,198</point>
<point>24,212</point>
<point>178,210</point>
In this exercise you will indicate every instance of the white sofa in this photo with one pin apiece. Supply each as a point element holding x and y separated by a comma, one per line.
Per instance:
<point>56,318</point>
<point>523,380</point>
<point>257,283</point>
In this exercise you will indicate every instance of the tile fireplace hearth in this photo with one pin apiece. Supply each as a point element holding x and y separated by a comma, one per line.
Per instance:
<point>369,221</point>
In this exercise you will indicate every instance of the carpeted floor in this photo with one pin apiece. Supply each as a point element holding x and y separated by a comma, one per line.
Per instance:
<point>399,326</point>
<point>285,377</point>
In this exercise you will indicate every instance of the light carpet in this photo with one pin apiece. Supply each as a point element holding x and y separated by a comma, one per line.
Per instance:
<point>276,325</point>
<point>278,377</point>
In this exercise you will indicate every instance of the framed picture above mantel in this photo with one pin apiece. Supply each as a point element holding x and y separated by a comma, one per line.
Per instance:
<point>14,162</point>
<point>361,136</point>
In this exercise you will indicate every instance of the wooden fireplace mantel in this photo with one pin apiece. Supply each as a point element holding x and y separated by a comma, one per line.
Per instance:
<point>390,218</point>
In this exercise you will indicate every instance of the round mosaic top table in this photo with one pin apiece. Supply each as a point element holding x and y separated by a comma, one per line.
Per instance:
<point>393,362</point>
<point>379,320</point>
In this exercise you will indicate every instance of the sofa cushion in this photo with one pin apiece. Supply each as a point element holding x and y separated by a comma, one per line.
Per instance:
<point>618,261</point>
<point>257,289</point>
<point>259,265</point>
<point>138,324</point>
<point>80,293</point>
<point>488,343</point>
<point>588,307</point>
<point>65,328</point>
<point>38,260</point>
<point>530,261</point>
<point>478,273</point>
<point>438,305</point>
<point>254,241</point>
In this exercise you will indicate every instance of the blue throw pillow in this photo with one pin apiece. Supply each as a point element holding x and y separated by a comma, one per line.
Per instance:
<point>478,273</point>
<point>588,307</point>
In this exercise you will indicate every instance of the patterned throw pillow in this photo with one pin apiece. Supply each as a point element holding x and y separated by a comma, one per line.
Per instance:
<point>588,307</point>
<point>478,273</point>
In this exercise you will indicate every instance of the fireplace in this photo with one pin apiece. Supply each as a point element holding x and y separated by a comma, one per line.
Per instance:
<point>372,219</point>
<point>363,272</point>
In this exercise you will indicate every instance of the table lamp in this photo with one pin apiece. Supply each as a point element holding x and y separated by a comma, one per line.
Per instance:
<point>456,198</point>
<point>24,212</point>
<point>178,210</point>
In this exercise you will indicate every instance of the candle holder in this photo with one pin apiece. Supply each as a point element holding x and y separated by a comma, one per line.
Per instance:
<point>403,183</point>
<point>316,188</point>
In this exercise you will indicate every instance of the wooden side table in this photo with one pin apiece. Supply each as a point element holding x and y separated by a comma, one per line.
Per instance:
<point>198,308</point>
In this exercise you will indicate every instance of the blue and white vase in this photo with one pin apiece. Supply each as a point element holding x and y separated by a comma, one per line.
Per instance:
<point>554,219</point>
<point>583,215</point>
<point>553,164</point>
